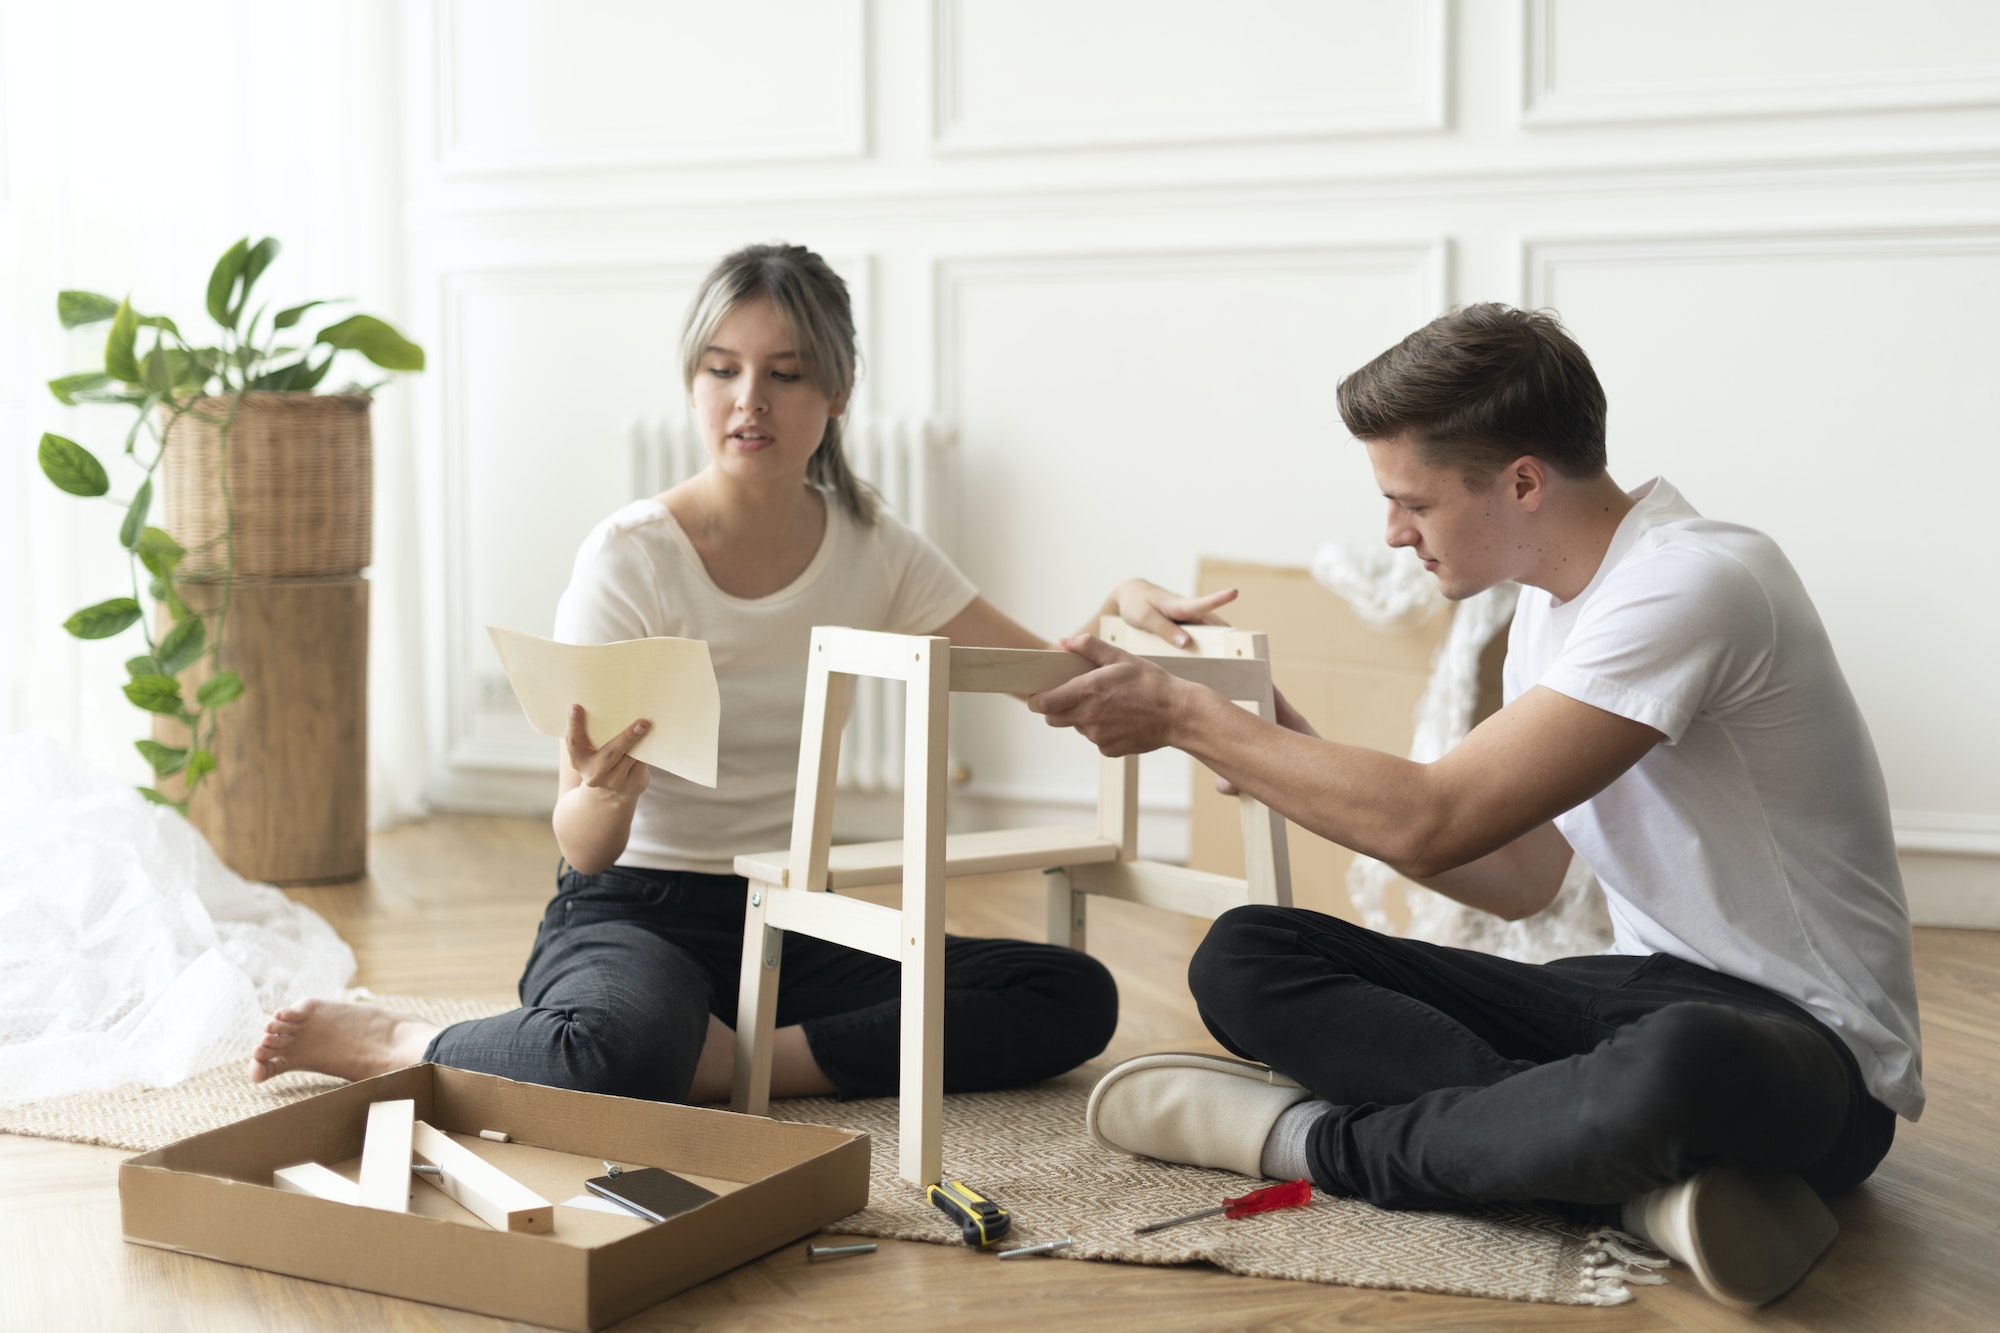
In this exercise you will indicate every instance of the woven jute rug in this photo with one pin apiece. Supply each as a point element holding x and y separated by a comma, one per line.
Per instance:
<point>1028,1150</point>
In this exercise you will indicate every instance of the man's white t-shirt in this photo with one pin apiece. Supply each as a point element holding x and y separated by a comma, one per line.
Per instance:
<point>1755,839</point>
<point>638,576</point>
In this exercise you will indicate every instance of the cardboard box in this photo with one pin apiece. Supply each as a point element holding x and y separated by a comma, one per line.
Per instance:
<point>212,1195</point>
<point>1356,684</point>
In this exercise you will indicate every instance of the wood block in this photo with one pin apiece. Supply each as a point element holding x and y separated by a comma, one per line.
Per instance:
<point>288,802</point>
<point>314,1179</point>
<point>385,1156</point>
<point>483,1189</point>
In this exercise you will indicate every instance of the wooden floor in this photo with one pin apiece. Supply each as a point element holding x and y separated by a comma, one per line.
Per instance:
<point>450,910</point>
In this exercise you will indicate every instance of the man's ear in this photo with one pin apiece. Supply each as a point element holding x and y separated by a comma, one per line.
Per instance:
<point>1527,482</point>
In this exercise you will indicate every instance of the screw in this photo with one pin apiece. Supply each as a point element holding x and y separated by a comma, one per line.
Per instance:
<point>426,1169</point>
<point>815,1253</point>
<point>756,900</point>
<point>1049,1247</point>
<point>613,1169</point>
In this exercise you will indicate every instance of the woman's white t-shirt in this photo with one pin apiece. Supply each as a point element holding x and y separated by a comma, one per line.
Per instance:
<point>1755,839</point>
<point>638,576</point>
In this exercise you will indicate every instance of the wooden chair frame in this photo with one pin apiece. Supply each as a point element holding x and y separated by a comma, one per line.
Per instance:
<point>793,889</point>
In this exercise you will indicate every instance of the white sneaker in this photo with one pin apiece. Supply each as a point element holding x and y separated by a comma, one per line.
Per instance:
<point>1201,1110</point>
<point>1748,1236</point>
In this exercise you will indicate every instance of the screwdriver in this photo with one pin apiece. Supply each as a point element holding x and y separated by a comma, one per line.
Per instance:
<point>1290,1194</point>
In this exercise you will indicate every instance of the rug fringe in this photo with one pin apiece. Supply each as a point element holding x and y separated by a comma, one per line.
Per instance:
<point>1615,1260</point>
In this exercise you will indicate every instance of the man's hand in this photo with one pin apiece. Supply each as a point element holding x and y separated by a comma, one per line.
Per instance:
<point>1161,612</point>
<point>1126,706</point>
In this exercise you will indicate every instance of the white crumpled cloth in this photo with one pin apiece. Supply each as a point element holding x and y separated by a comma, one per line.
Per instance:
<point>1389,589</point>
<point>128,952</point>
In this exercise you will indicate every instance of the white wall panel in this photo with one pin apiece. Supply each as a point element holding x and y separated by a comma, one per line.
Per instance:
<point>1821,386</point>
<point>536,84</point>
<point>1014,74</point>
<point>1611,60</point>
<point>1126,414</point>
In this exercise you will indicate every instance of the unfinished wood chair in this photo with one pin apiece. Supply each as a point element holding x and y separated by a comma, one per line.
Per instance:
<point>794,888</point>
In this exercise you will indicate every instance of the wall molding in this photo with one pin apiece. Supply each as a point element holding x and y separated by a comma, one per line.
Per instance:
<point>1540,256</point>
<point>1428,259</point>
<point>1545,103</point>
<point>842,132</point>
<point>1951,833</point>
<point>1427,110</point>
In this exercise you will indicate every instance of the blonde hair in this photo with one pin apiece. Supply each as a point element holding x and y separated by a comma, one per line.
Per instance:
<point>812,301</point>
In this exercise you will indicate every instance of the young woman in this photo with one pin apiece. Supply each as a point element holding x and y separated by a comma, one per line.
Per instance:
<point>631,986</point>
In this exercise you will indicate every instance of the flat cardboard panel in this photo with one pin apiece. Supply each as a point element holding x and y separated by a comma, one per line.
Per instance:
<point>211,1195</point>
<point>1357,684</point>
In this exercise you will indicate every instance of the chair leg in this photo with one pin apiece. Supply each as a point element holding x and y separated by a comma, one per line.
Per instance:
<point>1066,910</point>
<point>756,1006</point>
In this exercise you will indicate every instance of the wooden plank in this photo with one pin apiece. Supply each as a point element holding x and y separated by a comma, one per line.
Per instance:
<point>319,1182</point>
<point>1067,919</point>
<point>827,694</point>
<point>1118,803</point>
<point>1175,888</point>
<point>385,1155</point>
<point>920,1147</point>
<point>756,1005</point>
<point>1013,670</point>
<point>483,1189</point>
<point>863,652</point>
<point>869,927</point>
<point>859,864</point>
<point>1267,864</point>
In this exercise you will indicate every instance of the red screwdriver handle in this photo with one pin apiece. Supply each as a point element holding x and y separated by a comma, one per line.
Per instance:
<point>1290,1194</point>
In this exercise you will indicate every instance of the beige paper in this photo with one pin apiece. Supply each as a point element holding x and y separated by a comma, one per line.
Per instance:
<point>670,682</point>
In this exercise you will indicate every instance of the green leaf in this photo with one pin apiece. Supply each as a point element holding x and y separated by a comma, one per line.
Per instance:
<point>166,760</point>
<point>160,553</point>
<point>159,322</point>
<point>105,619</point>
<point>287,318</point>
<point>76,309</point>
<point>142,665</point>
<point>374,340</point>
<point>223,280</point>
<point>158,799</point>
<point>72,467</point>
<point>254,264</point>
<point>67,387</point>
<point>223,687</point>
<point>120,361</point>
<point>163,592</point>
<point>156,374</point>
<point>134,525</point>
<point>183,644</point>
<point>199,763</point>
<point>155,694</point>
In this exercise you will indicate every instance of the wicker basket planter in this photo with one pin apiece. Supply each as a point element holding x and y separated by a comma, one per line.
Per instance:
<point>288,802</point>
<point>300,482</point>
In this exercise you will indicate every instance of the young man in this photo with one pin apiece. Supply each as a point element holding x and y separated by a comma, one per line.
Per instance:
<point>1676,717</point>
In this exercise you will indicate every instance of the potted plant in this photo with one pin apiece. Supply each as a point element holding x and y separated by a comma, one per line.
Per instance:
<point>259,477</point>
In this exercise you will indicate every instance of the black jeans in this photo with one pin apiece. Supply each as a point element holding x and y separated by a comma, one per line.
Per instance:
<point>1457,1077</point>
<point>629,964</point>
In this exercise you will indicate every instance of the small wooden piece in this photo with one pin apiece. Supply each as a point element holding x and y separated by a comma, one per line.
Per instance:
<point>385,1156</point>
<point>483,1189</point>
<point>314,1179</point>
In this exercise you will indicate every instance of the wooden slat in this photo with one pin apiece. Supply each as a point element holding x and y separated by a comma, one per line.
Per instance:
<point>319,1182</point>
<point>478,1186</point>
<point>867,926</point>
<point>1175,888</point>
<point>1012,670</point>
<point>859,864</point>
<point>385,1155</point>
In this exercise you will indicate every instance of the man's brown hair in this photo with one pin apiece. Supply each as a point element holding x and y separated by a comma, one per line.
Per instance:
<point>1480,387</point>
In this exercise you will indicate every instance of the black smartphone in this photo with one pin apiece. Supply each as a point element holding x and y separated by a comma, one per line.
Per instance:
<point>650,1192</point>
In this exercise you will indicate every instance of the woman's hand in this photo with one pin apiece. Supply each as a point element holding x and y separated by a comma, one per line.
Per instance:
<point>1161,612</point>
<point>610,767</point>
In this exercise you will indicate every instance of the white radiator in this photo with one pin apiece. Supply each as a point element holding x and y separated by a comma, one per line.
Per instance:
<point>908,460</point>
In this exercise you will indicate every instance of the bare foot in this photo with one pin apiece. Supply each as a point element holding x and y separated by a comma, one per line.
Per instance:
<point>335,1037</point>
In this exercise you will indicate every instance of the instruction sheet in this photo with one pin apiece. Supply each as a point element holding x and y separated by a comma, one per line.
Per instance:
<point>670,682</point>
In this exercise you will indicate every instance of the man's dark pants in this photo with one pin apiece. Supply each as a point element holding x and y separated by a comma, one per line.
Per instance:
<point>1458,1077</point>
